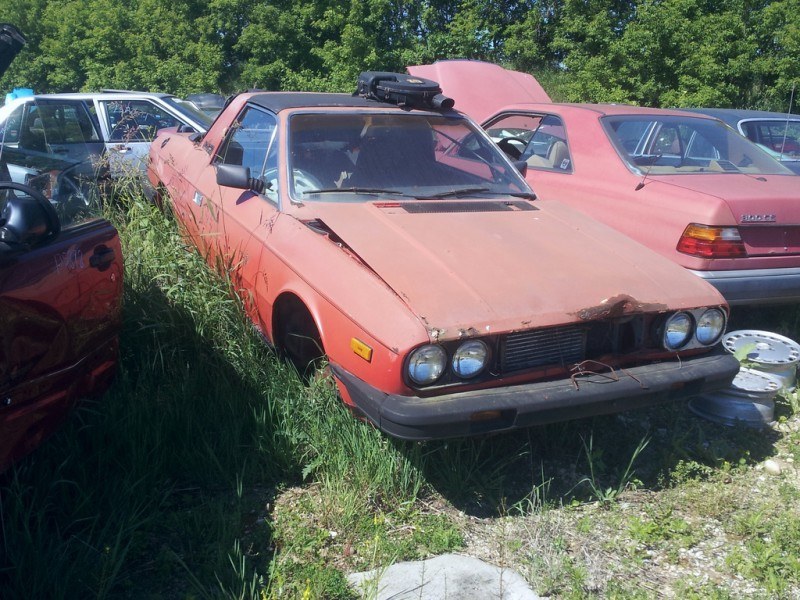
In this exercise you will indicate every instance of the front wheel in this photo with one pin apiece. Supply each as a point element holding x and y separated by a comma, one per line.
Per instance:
<point>299,341</point>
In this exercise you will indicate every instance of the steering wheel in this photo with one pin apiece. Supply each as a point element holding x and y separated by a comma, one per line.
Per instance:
<point>304,181</point>
<point>505,144</point>
<point>72,191</point>
<point>10,214</point>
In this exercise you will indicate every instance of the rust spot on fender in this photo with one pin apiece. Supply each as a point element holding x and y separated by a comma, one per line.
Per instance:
<point>619,305</point>
<point>465,333</point>
<point>435,333</point>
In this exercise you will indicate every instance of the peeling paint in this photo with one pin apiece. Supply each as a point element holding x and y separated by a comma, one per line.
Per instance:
<point>435,333</point>
<point>617,306</point>
<point>465,333</point>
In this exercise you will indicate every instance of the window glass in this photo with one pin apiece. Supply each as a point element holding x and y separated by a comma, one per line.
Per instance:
<point>249,140</point>
<point>547,147</point>
<point>251,143</point>
<point>513,132</point>
<point>136,120</point>
<point>354,157</point>
<point>188,109</point>
<point>779,136</point>
<point>63,122</point>
<point>11,126</point>
<point>58,152</point>
<point>539,140</point>
<point>663,145</point>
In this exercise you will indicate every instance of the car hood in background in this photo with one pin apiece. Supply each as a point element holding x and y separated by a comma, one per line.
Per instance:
<point>498,87</point>
<point>11,42</point>
<point>465,266</point>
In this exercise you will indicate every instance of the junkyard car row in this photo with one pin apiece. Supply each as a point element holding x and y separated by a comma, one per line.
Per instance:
<point>388,233</point>
<point>680,183</point>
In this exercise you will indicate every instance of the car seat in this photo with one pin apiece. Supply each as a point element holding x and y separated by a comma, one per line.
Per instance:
<point>558,156</point>
<point>392,156</point>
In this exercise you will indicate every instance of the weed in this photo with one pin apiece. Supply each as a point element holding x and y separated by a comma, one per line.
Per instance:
<point>606,495</point>
<point>662,527</point>
<point>770,549</point>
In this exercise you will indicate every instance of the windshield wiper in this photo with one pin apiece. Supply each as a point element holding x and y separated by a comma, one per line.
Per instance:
<point>526,195</point>
<point>357,190</point>
<point>481,190</point>
<point>456,192</point>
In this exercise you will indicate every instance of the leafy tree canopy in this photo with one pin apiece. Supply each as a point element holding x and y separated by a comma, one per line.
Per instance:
<point>743,53</point>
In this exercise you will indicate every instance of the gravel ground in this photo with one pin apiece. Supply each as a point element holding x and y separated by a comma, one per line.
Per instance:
<point>589,547</point>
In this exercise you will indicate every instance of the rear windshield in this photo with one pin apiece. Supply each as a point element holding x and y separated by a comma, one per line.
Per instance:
<point>666,145</point>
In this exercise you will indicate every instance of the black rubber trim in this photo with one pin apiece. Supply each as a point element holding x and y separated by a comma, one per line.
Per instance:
<point>526,405</point>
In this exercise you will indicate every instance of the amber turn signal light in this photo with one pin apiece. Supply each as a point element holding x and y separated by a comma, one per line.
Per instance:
<point>361,349</point>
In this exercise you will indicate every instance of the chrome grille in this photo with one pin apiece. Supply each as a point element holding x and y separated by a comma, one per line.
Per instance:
<point>557,346</point>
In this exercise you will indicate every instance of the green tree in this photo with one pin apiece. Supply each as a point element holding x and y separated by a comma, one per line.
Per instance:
<point>778,62</point>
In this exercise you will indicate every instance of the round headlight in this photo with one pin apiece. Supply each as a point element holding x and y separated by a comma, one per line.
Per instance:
<point>677,331</point>
<point>426,364</point>
<point>470,358</point>
<point>710,326</point>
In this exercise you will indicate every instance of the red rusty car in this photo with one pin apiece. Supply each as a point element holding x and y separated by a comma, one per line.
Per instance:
<point>680,183</point>
<point>60,279</point>
<point>386,231</point>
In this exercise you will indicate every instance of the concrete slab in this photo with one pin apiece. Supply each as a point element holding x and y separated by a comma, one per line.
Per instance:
<point>450,576</point>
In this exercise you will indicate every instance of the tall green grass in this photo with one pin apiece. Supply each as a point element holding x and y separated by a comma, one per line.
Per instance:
<point>109,497</point>
<point>149,489</point>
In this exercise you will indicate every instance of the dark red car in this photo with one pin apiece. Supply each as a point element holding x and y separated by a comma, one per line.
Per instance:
<point>60,281</point>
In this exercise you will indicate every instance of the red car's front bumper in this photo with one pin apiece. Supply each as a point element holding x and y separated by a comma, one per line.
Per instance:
<point>539,403</point>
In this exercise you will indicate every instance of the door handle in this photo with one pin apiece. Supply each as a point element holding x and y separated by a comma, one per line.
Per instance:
<point>102,258</point>
<point>122,148</point>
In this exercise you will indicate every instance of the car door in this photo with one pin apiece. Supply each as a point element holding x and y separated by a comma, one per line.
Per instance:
<point>52,135</point>
<point>131,124</point>
<point>233,223</point>
<point>60,295</point>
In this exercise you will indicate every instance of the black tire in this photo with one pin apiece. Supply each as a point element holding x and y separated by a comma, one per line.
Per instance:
<point>298,340</point>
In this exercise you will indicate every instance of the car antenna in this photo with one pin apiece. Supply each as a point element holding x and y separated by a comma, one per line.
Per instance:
<point>656,158</point>
<point>788,115</point>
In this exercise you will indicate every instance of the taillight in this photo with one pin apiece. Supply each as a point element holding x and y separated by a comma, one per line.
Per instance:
<point>711,242</point>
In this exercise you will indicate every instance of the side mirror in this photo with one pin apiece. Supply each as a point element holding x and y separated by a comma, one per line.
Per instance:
<point>236,176</point>
<point>26,218</point>
<point>521,166</point>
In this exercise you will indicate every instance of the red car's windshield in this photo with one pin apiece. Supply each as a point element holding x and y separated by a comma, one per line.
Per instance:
<point>352,156</point>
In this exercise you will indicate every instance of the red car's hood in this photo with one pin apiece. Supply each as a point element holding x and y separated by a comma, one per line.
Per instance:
<point>777,195</point>
<point>481,89</point>
<point>499,271</point>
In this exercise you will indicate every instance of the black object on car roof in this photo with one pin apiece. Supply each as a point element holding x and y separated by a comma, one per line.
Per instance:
<point>403,90</point>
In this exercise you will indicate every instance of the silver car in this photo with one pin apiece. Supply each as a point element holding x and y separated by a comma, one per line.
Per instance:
<point>127,121</point>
